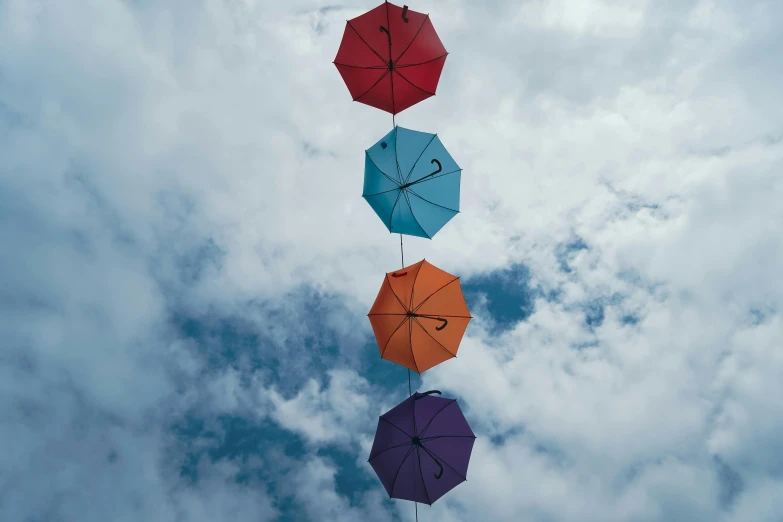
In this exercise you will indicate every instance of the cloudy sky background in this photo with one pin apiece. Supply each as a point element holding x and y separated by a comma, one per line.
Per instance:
<point>186,262</point>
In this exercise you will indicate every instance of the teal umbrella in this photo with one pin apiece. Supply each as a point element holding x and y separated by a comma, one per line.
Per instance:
<point>411,182</point>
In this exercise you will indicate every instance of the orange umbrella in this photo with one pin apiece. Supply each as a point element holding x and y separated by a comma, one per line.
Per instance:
<point>419,316</point>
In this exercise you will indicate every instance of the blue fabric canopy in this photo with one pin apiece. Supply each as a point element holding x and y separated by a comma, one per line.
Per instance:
<point>411,182</point>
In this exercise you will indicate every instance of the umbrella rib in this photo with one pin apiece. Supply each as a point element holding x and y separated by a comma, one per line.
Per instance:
<point>413,286</point>
<point>412,39</point>
<point>418,455</point>
<point>407,80</point>
<point>390,337</point>
<point>420,155</point>
<point>365,43</point>
<point>452,401</point>
<point>398,469</point>
<point>396,152</point>
<point>391,214</point>
<point>406,308</point>
<point>382,172</point>
<point>430,316</point>
<point>439,344</point>
<point>377,67</point>
<point>421,63</point>
<point>430,177</point>
<point>432,202</point>
<point>408,201</point>
<point>379,193</point>
<point>427,439</point>
<point>387,449</point>
<point>446,463</point>
<point>397,427</point>
<point>435,292</point>
<point>388,24</point>
<point>372,86</point>
<point>410,341</point>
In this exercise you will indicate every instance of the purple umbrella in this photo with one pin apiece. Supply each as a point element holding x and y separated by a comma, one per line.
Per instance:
<point>422,448</point>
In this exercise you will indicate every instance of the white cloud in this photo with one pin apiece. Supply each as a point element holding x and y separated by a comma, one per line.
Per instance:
<point>336,414</point>
<point>315,488</point>
<point>596,17</point>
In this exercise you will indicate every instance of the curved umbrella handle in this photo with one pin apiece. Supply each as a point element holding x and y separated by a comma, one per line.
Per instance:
<point>427,393</point>
<point>388,34</point>
<point>439,166</point>
<point>444,325</point>
<point>405,14</point>
<point>434,161</point>
<point>439,474</point>
<point>395,274</point>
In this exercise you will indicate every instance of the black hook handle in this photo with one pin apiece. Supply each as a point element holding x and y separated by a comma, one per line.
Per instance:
<point>388,34</point>
<point>405,14</point>
<point>399,275</point>
<point>434,161</point>
<point>439,474</point>
<point>427,393</point>
<point>444,325</point>
<point>439,167</point>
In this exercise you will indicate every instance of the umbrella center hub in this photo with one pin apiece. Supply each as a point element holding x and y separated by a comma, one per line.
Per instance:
<point>416,441</point>
<point>412,314</point>
<point>391,64</point>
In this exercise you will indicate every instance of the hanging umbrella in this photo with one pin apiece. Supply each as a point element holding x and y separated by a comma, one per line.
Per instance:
<point>390,58</point>
<point>419,316</point>
<point>422,448</point>
<point>411,182</point>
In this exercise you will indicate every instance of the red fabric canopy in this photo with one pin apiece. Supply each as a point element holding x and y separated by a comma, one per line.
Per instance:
<point>390,58</point>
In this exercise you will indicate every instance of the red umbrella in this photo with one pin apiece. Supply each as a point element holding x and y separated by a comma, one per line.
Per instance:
<point>391,58</point>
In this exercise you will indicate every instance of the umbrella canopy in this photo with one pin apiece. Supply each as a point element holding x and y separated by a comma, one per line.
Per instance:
<point>390,58</point>
<point>422,448</point>
<point>411,182</point>
<point>419,316</point>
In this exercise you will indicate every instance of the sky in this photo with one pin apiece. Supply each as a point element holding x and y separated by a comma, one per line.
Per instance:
<point>187,262</point>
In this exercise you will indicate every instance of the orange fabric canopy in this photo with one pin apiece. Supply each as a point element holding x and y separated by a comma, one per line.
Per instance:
<point>419,316</point>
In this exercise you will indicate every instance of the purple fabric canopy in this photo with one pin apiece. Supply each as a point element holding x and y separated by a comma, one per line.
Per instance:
<point>422,448</point>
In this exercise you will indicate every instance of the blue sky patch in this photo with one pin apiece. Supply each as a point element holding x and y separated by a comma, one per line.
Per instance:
<point>730,483</point>
<point>509,298</point>
<point>566,252</point>
<point>351,482</point>
<point>594,314</point>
